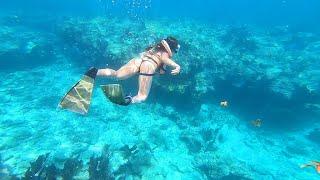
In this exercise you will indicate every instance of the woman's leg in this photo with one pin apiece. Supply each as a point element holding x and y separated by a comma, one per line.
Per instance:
<point>106,72</point>
<point>126,71</point>
<point>144,89</point>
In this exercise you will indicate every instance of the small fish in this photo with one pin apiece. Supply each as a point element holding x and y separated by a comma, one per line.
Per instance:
<point>257,122</point>
<point>224,103</point>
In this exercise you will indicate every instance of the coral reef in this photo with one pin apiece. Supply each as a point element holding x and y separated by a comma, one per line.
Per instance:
<point>240,39</point>
<point>99,167</point>
<point>24,48</point>
<point>245,55</point>
<point>136,161</point>
<point>37,169</point>
<point>103,41</point>
<point>70,168</point>
<point>182,132</point>
<point>212,58</point>
<point>40,170</point>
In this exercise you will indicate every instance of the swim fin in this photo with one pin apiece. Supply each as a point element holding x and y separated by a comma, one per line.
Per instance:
<point>114,93</point>
<point>78,97</point>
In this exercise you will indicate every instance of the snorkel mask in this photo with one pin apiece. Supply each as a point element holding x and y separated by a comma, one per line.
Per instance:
<point>171,45</point>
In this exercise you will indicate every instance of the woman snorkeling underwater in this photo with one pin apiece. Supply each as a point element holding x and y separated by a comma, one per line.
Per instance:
<point>151,62</point>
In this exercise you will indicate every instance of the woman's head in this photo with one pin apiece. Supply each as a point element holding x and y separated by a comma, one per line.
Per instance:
<point>173,44</point>
<point>169,44</point>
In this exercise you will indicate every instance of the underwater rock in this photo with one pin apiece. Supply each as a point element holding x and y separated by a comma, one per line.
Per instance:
<point>39,170</point>
<point>52,172</point>
<point>36,169</point>
<point>207,134</point>
<point>210,133</point>
<point>128,152</point>
<point>219,166</point>
<point>209,137</point>
<point>137,161</point>
<point>193,144</point>
<point>211,170</point>
<point>173,115</point>
<point>99,168</point>
<point>70,168</point>
<point>158,138</point>
<point>206,169</point>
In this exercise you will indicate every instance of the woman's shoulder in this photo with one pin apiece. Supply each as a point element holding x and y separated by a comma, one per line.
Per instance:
<point>164,55</point>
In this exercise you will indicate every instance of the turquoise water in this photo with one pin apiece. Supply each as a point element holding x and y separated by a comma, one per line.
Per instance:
<point>263,58</point>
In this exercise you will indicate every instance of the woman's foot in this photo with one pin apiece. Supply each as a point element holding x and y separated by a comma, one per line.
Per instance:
<point>128,100</point>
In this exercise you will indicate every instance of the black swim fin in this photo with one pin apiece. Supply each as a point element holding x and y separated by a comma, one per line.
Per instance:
<point>78,97</point>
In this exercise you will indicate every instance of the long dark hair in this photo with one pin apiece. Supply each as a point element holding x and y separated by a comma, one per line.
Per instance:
<point>156,47</point>
<point>172,42</point>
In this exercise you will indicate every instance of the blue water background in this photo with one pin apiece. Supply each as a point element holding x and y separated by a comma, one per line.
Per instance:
<point>290,135</point>
<point>267,13</point>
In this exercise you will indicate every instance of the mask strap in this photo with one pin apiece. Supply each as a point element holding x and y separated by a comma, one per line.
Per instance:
<point>167,47</point>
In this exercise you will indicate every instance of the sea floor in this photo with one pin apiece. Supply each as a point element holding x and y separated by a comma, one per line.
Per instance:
<point>211,144</point>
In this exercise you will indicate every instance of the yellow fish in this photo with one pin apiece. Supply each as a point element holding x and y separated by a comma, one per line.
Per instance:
<point>224,103</point>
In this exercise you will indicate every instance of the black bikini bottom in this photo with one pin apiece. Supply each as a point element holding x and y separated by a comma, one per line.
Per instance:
<point>145,74</point>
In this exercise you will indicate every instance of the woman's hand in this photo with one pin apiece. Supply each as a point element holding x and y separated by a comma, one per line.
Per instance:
<point>171,63</point>
<point>176,70</point>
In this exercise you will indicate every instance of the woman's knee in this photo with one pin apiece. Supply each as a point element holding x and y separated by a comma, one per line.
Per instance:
<point>119,75</point>
<point>106,72</point>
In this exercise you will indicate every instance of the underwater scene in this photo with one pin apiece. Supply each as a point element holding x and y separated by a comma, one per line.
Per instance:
<point>160,89</point>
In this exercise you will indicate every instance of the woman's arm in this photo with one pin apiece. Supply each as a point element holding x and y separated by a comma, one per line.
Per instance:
<point>171,63</point>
